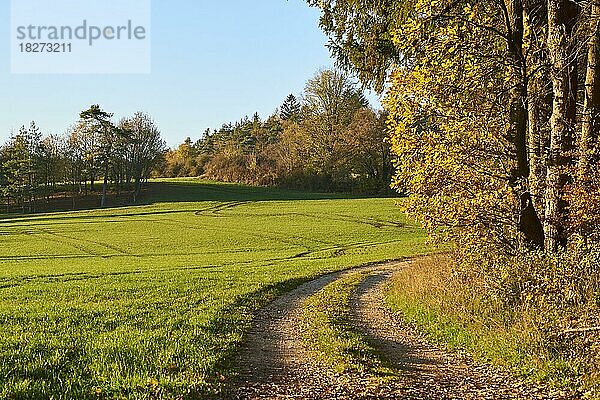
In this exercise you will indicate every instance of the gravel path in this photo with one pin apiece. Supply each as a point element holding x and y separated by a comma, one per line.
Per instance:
<point>272,361</point>
<point>274,364</point>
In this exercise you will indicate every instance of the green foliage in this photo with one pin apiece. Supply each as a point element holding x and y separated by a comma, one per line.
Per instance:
<point>99,122</point>
<point>290,109</point>
<point>360,35</point>
<point>21,160</point>
<point>34,168</point>
<point>153,299</point>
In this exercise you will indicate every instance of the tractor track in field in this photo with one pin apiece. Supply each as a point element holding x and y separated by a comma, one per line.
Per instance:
<point>274,364</point>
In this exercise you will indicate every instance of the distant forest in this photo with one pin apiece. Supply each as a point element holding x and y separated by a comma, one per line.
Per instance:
<point>329,139</point>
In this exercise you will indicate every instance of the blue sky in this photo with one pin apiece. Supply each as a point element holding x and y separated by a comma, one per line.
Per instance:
<point>212,62</point>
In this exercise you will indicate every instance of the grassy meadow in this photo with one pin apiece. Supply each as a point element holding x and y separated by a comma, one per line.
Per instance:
<point>151,300</point>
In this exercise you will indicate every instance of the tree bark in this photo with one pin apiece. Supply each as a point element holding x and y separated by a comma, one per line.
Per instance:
<point>591,107</point>
<point>539,100</point>
<point>517,129</point>
<point>138,188</point>
<point>529,223</point>
<point>562,110</point>
<point>104,188</point>
<point>534,139</point>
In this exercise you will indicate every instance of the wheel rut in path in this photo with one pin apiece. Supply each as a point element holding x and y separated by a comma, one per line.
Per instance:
<point>274,364</point>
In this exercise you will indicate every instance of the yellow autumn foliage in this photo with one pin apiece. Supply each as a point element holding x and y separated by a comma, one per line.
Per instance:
<point>448,126</point>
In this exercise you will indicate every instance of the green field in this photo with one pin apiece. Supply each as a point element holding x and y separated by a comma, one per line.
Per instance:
<point>152,300</point>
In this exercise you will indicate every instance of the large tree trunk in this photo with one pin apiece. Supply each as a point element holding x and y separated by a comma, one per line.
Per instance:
<point>560,24</point>
<point>74,190</point>
<point>535,142</point>
<point>529,223</point>
<point>572,90</point>
<point>517,129</point>
<point>539,101</point>
<point>591,107</point>
<point>138,188</point>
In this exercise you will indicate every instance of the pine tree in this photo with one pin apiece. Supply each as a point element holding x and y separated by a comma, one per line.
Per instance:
<point>290,109</point>
<point>106,130</point>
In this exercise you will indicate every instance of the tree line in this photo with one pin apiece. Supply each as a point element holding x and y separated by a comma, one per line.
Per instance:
<point>494,110</point>
<point>37,169</point>
<point>328,139</point>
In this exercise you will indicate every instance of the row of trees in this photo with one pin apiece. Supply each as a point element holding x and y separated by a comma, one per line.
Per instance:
<point>494,107</point>
<point>34,168</point>
<point>329,139</point>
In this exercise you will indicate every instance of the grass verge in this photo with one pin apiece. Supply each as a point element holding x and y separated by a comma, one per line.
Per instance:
<point>329,334</point>
<point>449,312</point>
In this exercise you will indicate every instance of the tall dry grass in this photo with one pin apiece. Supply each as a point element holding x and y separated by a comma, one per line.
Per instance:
<point>510,312</point>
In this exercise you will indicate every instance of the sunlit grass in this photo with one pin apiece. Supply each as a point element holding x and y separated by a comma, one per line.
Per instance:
<point>105,303</point>
<point>327,328</point>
